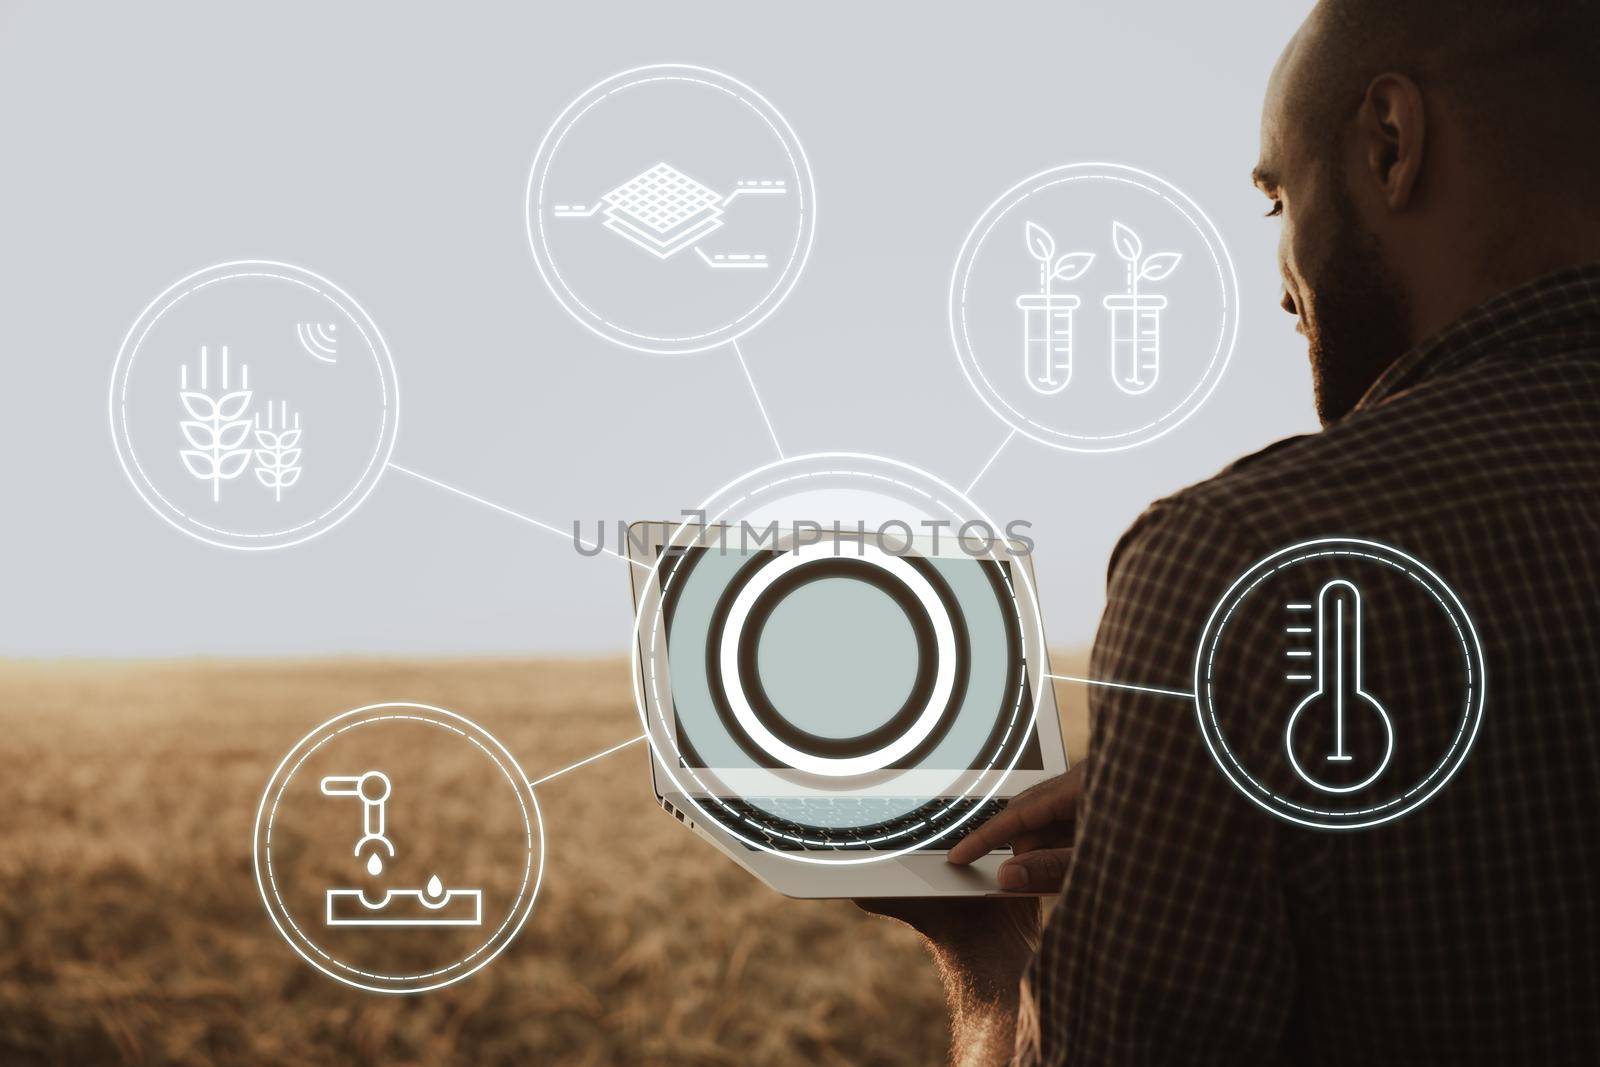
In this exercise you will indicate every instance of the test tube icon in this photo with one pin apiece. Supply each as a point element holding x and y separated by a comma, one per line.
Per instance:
<point>1047,339</point>
<point>1135,340</point>
<point>1047,315</point>
<point>1136,316</point>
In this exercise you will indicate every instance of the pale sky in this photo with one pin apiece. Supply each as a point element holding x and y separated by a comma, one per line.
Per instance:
<point>387,146</point>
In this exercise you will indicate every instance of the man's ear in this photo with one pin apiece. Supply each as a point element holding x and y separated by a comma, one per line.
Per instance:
<point>1392,123</point>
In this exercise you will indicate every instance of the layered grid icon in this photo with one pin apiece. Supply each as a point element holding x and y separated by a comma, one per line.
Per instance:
<point>663,210</point>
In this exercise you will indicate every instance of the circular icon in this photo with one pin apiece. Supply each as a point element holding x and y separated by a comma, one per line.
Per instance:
<point>398,848</point>
<point>1093,307</point>
<point>1339,683</point>
<point>740,625</point>
<point>830,645</point>
<point>253,405</point>
<point>670,209</point>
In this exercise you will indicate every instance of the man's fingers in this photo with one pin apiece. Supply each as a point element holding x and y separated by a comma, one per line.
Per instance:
<point>1031,841</point>
<point>1032,810</point>
<point>1056,835</point>
<point>1043,871</point>
<point>1027,811</point>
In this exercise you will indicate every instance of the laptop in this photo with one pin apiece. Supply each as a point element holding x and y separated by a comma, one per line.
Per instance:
<point>833,710</point>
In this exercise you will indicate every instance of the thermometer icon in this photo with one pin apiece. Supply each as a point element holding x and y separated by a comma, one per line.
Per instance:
<point>1339,695</point>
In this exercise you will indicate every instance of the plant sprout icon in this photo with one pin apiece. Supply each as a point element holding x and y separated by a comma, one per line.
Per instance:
<point>216,426</point>
<point>1136,316</point>
<point>278,457</point>
<point>1047,315</point>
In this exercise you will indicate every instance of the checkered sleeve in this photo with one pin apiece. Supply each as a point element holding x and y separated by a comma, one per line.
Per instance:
<point>1170,942</point>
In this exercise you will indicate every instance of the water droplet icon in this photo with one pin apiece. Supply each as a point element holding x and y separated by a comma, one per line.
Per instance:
<point>435,888</point>
<point>374,865</point>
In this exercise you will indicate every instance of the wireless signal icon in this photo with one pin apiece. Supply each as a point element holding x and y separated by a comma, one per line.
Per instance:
<point>318,340</point>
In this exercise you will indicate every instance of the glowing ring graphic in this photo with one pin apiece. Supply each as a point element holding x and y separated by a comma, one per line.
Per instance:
<point>1013,727</point>
<point>994,397</point>
<point>371,340</point>
<point>847,766</point>
<point>922,683</point>
<point>538,205</point>
<point>301,939</point>
<point>1372,813</point>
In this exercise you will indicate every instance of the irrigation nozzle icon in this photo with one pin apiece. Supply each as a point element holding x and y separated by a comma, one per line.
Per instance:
<point>433,905</point>
<point>373,788</point>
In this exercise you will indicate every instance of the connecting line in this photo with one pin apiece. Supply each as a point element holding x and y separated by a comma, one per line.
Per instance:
<point>1059,677</point>
<point>757,188</point>
<point>1122,685</point>
<point>733,260</point>
<point>753,392</point>
<point>590,759</point>
<point>976,478</point>
<point>505,510</point>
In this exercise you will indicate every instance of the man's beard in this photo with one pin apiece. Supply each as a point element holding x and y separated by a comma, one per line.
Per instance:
<point>1359,321</point>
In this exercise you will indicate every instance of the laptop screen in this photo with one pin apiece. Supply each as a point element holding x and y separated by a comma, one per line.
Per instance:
<point>838,659</point>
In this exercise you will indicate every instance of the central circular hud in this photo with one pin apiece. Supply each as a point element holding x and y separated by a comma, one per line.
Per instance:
<point>739,690</point>
<point>978,594</point>
<point>862,654</point>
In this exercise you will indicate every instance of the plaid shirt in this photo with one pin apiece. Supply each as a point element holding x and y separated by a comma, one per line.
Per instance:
<point>1196,928</point>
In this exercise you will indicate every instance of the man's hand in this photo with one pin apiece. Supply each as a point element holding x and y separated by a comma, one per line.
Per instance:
<point>982,945</point>
<point>1038,823</point>
<point>992,937</point>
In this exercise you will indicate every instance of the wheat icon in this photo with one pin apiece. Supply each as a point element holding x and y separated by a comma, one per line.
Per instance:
<point>215,427</point>
<point>278,457</point>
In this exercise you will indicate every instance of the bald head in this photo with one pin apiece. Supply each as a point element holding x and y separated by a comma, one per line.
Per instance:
<point>1522,76</point>
<point>1425,155</point>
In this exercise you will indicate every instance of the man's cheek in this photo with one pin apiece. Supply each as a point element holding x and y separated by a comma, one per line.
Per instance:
<point>1306,257</point>
<point>1289,265</point>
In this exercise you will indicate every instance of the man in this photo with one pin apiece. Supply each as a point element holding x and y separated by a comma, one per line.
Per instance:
<point>1434,166</point>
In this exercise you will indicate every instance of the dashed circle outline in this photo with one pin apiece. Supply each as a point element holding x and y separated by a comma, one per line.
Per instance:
<point>994,399</point>
<point>520,785</point>
<point>1473,705</point>
<point>799,165</point>
<point>667,764</point>
<point>388,385</point>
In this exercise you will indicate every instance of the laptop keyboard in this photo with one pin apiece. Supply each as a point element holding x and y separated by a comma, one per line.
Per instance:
<point>825,824</point>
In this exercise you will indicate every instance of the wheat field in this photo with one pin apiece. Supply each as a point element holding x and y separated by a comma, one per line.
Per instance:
<point>131,930</point>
